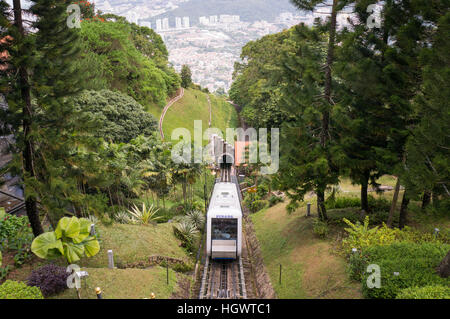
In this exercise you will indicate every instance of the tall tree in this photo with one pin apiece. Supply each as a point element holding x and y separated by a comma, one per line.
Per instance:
<point>428,168</point>
<point>22,62</point>
<point>327,101</point>
<point>304,162</point>
<point>43,121</point>
<point>186,76</point>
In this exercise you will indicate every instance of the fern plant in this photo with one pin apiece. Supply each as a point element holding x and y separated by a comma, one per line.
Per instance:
<point>144,215</point>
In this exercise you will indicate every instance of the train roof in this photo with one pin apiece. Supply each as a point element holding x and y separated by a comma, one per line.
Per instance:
<point>225,200</point>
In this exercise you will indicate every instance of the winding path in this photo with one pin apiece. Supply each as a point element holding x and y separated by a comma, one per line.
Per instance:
<point>171,102</point>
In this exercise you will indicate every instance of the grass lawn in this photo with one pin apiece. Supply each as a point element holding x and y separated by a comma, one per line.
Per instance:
<point>126,284</point>
<point>134,243</point>
<point>223,114</point>
<point>194,106</point>
<point>310,269</point>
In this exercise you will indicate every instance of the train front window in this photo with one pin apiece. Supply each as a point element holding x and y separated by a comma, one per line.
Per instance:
<point>224,228</point>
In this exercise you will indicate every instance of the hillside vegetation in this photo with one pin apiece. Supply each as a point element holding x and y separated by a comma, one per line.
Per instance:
<point>135,243</point>
<point>119,55</point>
<point>310,268</point>
<point>194,106</point>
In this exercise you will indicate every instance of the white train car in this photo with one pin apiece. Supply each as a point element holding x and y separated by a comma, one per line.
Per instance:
<point>224,223</point>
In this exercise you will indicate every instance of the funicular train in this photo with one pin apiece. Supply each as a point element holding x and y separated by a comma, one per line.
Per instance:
<point>224,216</point>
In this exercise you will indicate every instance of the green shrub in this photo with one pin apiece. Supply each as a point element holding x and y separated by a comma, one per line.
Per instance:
<point>342,202</point>
<point>143,215</point>
<point>357,264</point>
<point>196,218</point>
<point>378,204</point>
<point>4,271</point>
<point>273,200</point>
<point>414,263</point>
<point>166,214</point>
<point>336,217</point>
<point>16,235</point>
<point>361,236</point>
<point>375,204</point>
<point>426,292</point>
<point>10,225</point>
<point>19,290</point>
<point>320,228</point>
<point>187,233</point>
<point>182,267</point>
<point>262,190</point>
<point>71,239</point>
<point>257,205</point>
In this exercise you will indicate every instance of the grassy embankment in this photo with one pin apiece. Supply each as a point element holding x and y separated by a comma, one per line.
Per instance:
<point>194,106</point>
<point>311,267</point>
<point>130,244</point>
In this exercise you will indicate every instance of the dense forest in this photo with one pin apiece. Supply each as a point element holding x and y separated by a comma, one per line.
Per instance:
<point>355,102</point>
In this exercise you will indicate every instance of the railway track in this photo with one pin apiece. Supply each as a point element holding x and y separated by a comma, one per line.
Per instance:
<point>223,279</point>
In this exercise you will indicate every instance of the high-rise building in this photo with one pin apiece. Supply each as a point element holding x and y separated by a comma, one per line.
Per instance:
<point>213,19</point>
<point>204,20</point>
<point>178,23</point>
<point>158,25</point>
<point>165,24</point>
<point>186,22</point>
<point>224,18</point>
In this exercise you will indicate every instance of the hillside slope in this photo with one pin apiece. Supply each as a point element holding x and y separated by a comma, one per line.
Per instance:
<point>310,269</point>
<point>194,106</point>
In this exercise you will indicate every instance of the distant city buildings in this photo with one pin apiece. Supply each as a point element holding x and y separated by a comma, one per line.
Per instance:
<point>180,23</point>
<point>186,23</point>
<point>222,19</point>
<point>210,44</point>
<point>165,24</point>
<point>158,25</point>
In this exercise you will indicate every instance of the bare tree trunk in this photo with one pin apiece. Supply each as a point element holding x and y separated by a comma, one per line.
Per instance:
<point>325,134</point>
<point>184,188</point>
<point>403,210</point>
<point>28,152</point>
<point>444,267</point>
<point>426,199</point>
<point>364,189</point>
<point>321,210</point>
<point>394,203</point>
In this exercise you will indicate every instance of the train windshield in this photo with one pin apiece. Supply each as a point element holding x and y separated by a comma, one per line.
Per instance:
<point>224,228</point>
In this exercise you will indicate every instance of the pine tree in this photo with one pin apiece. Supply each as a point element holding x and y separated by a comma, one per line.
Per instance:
<point>43,60</point>
<point>428,168</point>
<point>327,94</point>
<point>304,164</point>
<point>18,95</point>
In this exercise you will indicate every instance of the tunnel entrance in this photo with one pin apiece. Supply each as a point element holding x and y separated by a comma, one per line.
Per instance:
<point>226,160</point>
